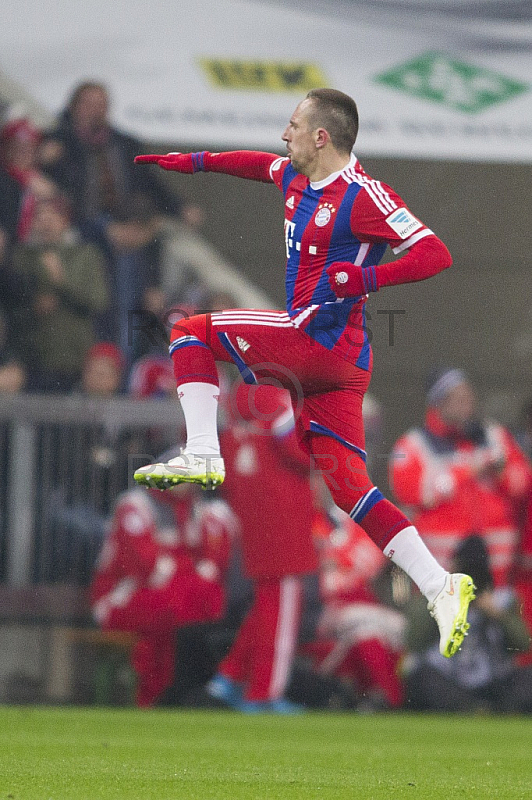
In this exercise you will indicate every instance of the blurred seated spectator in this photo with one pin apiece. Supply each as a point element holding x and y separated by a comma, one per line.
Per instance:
<point>103,370</point>
<point>121,206</point>
<point>162,567</point>
<point>461,474</point>
<point>64,288</point>
<point>22,183</point>
<point>483,675</point>
<point>358,639</point>
<point>87,156</point>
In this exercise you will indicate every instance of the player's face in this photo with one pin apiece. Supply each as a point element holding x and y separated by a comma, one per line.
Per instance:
<point>300,140</point>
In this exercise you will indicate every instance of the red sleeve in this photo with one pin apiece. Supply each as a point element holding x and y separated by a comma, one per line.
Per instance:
<point>406,474</point>
<point>427,257</point>
<point>251,164</point>
<point>380,215</point>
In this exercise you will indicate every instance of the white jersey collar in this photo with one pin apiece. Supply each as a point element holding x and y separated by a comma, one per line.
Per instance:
<point>332,177</point>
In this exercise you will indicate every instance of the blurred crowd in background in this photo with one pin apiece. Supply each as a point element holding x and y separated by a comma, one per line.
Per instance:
<point>82,235</point>
<point>266,598</point>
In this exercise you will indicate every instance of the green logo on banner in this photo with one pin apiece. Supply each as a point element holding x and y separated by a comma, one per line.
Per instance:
<point>437,77</point>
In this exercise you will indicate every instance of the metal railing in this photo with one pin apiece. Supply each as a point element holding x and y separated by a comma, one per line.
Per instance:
<point>64,460</point>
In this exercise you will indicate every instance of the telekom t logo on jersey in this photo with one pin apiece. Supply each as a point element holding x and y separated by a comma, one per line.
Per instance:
<point>289,229</point>
<point>322,217</point>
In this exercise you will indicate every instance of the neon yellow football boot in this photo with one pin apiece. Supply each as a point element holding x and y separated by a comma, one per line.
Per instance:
<point>450,608</point>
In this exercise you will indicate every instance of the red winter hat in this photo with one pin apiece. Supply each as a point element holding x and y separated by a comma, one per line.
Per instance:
<point>107,350</point>
<point>20,129</point>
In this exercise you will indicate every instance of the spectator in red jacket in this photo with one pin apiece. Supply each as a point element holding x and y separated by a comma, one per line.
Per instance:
<point>359,639</point>
<point>161,568</point>
<point>268,487</point>
<point>462,475</point>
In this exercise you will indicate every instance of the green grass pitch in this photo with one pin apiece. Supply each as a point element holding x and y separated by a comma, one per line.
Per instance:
<point>128,754</point>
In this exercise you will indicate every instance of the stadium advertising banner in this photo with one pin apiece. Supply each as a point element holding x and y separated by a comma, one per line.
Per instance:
<point>229,73</point>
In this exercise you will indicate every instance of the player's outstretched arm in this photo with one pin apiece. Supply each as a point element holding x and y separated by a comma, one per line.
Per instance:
<point>250,164</point>
<point>425,259</point>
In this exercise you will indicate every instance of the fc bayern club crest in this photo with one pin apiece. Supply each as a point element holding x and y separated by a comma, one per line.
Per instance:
<point>322,217</point>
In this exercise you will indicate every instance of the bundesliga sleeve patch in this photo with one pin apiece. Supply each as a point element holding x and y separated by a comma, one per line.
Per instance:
<point>403,222</point>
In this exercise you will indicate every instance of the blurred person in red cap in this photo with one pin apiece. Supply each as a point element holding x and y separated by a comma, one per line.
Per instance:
<point>103,370</point>
<point>64,290</point>
<point>151,378</point>
<point>460,474</point>
<point>22,183</point>
<point>269,489</point>
<point>161,567</point>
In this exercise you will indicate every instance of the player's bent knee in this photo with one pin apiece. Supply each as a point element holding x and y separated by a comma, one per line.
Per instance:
<point>350,498</point>
<point>196,327</point>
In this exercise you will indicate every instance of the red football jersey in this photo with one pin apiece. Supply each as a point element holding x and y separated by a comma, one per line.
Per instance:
<point>347,217</point>
<point>348,559</point>
<point>268,485</point>
<point>155,535</point>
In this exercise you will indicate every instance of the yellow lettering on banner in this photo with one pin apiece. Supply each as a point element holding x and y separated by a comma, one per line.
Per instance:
<point>266,76</point>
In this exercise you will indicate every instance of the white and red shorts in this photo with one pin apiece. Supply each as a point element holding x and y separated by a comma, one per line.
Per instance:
<point>327,388</point>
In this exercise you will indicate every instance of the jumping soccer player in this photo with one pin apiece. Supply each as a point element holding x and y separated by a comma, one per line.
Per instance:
<point>338,224</point>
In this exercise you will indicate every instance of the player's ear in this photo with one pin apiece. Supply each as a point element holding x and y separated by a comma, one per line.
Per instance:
<point>321,137</point>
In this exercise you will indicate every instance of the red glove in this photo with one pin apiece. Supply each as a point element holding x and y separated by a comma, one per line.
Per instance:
<point>351,280</point>
<point>179,162</point>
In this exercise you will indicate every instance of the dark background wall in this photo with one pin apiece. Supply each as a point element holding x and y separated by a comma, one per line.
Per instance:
<point>477,315</point>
